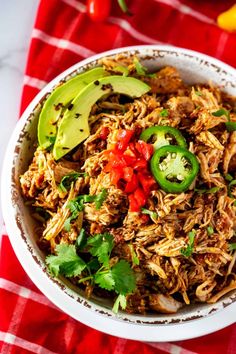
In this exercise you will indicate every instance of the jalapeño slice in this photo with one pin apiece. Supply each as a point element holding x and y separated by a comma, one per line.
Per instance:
<point>174,168</point>
<point>161,135</point>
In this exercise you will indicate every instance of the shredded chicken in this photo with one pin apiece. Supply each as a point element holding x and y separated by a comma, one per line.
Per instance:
<point>165,272</point>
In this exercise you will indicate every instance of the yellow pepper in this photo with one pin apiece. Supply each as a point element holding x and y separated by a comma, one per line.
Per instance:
<point>227,20</point>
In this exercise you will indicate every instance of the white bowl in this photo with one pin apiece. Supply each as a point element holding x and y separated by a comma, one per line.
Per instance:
<point>192,321</point>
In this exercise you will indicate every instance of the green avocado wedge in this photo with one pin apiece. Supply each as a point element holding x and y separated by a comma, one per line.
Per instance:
<point>58,100</point>
<point>74,127</point>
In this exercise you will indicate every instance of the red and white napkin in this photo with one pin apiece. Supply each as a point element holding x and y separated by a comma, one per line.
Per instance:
<point>63,35</point>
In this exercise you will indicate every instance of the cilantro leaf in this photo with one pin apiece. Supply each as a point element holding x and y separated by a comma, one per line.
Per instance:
<point>164,113</point>
<point>207,190</point>
<point>124,278</point>
<point>67,180</point>
<point>104,280</point>
<point>228,177</point>
<point>122,69</point>
<point>210,230</point>
<point>65,262</point>
<point>67,225</point>
<point>187,251</point>
<point>42,213</point>
<point>198,93</point>
<point>81,239</point>
<point>51,140</point>
<point>232,246</point>
<point>100,198</point>
<point>101,247</point>
<point>93,264</point>
<point>77,205</point>
<point>152,214</point>
<point>221,112</point>
<point>140,69</point>
<point>230,126</point>
<point>134,256</point>
<point>120,302</point>
<point>231,184</point>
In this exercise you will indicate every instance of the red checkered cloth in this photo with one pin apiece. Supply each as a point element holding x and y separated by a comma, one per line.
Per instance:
<point>63,35</point>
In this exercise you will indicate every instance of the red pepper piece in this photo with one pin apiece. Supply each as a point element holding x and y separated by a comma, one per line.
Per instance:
<point>133,204</point>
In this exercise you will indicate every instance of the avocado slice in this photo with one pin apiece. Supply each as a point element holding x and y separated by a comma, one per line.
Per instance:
<point>74,127</point>
<point>59,99</point>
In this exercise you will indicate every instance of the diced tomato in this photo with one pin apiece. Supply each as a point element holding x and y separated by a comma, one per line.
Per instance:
<point>123,138</point>
<point>116,159</point>
<point>132,185</point>
<point>130,160</point>
<point>145,218</point>
<point>147,182</point>
<point>140,197</point>
<point>128,167</point>
<point>132,148</point>
<point>128,173</point>
<point>116,174</point>
<point>104,133</point>
<point>133,204</point>
<point>146,150</point>
<point>140,164</point>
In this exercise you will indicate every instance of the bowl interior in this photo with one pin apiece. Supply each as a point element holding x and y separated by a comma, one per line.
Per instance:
<point>193,69</point>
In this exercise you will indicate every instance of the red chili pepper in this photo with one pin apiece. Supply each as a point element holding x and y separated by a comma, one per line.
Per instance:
<point>104,133</point>
<point>98,10</point>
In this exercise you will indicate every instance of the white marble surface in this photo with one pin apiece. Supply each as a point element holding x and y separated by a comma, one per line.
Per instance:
<point>16,23</point>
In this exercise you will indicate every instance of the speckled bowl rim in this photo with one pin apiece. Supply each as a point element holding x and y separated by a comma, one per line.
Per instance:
<point>158,328</point>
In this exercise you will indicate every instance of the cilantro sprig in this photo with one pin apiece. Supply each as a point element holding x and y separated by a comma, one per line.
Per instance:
<point>140,69</point>
<point>221,112</point>
<point>187,251</point>
<point>151,213</point>
<point>67,180</point>
<point>198,93</point>
<point>210,230</point>
<point>164,113</point>
<point>77,205</point>
<point>230,185</point>
<point>118,277</point>
<point>65,262</point>
<point>232,246</point>
<point>230,126</point>
<point>135,259</point>
<point>207,190</point>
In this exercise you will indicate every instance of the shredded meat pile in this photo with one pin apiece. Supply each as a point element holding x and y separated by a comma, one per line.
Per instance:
<point>166,279</point>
